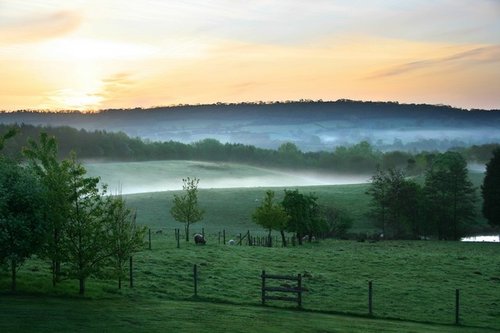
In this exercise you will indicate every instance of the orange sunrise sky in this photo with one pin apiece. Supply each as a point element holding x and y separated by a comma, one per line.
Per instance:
<point>89,55</point>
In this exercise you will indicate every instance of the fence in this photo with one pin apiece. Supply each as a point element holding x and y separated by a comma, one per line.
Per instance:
<point>297,289</point>
<point>225,238</point>
<point>270,293</point>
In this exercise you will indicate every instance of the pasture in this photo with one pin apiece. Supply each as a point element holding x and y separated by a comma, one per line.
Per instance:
<point>414,282</point>
<point>229,193</point>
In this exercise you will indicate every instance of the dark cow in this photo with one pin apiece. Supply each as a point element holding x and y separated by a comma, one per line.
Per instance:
<point>199,239</point>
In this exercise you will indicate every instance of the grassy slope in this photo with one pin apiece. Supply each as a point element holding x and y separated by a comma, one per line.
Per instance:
<point>231,209</point>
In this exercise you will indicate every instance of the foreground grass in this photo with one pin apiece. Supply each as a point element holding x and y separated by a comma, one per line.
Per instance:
<point>50,314</point>
<point>413,280</point>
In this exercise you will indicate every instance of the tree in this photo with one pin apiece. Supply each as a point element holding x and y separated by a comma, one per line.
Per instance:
<point>54,175</point>
<point>338,222</point>
<point>185,207</point>
<point>450,196</point>
<point>490,190</point>
<point>379,191</point>
<point>22,232</point>
<point>271,216</point>
<point>395,204</point>
<point>289,154</point>
<point>124,236</point>
<point>86,242</point>
<point>304,212</point>
<point>4,137</point>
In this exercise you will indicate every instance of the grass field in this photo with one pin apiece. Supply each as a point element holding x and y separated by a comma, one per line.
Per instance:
<point>51,314</point>
<point>414,282</point>
<point>231,209</point>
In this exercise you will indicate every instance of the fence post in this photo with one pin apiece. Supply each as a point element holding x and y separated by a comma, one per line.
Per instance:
<point>370,298</point>
<point>178,237</point>
<point>150,238</point>
<point>131,273</point>
<point>457,307</point>
<point>299,295</point>
<point>263,287</point>
<point>241,239</point>
<point>224,236</point>
<point>195,277</point>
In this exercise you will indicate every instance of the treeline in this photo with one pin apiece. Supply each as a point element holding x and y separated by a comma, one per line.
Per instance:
<point>359,158</point>
<point>443,207</point>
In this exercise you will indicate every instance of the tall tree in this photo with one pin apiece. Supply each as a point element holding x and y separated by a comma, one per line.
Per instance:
<point>185,207</point>
<point>22,232</point>
<point>271,216</point>
<point>490,190</point>
<point>450,196</point>
<point>124,236</point>
<point>54,174</point>
<point>86,241</point>
<point>379,191</point>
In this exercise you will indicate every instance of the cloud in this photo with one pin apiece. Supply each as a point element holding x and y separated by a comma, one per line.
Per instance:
<point>40,28</point>
<point>481,55</point>
<point>114,88</point>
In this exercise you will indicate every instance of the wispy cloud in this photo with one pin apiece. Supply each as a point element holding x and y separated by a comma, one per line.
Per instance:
<point>38,28</point>
<point>487,54</point>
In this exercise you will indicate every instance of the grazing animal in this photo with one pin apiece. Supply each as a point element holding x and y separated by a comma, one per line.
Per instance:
<point>231,242</point>
<point>306,238</point>
<point>159,232</point>
<point>199,239</point>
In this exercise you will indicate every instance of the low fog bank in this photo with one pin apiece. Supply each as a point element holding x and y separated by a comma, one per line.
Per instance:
<point>143,177</point>
<point>129,186</point>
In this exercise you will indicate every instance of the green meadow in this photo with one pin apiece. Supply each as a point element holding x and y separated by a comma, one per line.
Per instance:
<point>414,282</point>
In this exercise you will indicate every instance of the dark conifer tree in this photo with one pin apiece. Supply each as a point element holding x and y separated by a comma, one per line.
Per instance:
<point>491,190</point>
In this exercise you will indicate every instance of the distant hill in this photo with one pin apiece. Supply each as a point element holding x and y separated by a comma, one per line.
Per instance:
<point>312,126</point>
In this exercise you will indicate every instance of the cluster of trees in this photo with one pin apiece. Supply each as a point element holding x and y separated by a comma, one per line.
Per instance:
<point>51,209</point>
<point>300,214</point>
<point>361,157</point>
<point>444,206</point>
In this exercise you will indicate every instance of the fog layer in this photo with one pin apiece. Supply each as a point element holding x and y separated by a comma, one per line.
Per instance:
<point>142,177</point>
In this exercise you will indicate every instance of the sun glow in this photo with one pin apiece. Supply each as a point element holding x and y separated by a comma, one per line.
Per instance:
<point>103,54</point>
<point>76,99</point>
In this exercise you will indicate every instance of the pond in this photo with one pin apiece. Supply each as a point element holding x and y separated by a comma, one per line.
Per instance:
<point>483,238</point>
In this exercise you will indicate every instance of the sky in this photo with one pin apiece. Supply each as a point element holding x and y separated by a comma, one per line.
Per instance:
<point>99,54</point>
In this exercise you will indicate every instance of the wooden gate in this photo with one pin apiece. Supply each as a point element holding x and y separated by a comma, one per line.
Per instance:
<point>294,289</point>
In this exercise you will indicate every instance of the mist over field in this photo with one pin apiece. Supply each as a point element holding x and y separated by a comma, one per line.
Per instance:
<point>157,176</point>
